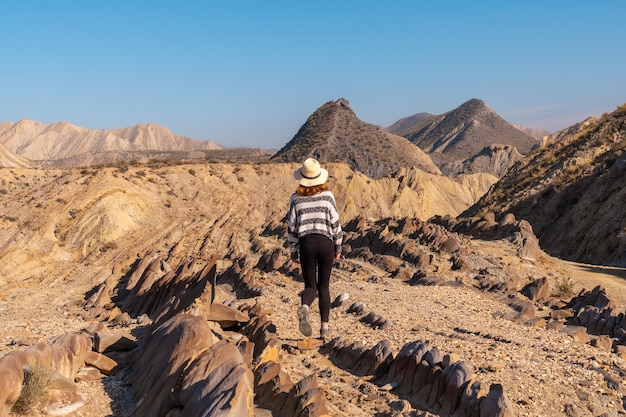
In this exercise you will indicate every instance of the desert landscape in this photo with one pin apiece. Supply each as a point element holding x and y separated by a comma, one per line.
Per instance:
<point>164,286</point>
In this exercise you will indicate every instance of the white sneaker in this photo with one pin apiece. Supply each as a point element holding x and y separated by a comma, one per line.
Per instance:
<point>325,332</point>
<point>303,319</point>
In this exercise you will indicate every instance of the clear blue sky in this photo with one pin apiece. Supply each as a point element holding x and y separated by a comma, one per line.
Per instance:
<point>249,73</point>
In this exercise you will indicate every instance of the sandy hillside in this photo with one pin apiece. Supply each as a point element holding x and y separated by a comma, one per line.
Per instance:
<point>63,231</point>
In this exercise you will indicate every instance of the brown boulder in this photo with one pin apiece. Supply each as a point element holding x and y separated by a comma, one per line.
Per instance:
<point>105,342</point>
<point>61,396</point>
<point>496,403</point>
<point>155,367</point>
<point>538,290</point>
<point>103,363</point>
<point>217,383</point>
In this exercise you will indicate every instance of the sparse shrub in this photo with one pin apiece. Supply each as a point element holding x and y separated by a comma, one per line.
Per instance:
<point>564,288</point>
<point>141,173</point>
<point>3,191</point>
<point>36,380</point>
<point>192,171</point>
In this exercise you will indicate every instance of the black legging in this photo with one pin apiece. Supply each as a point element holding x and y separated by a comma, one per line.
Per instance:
<point>317,254</point>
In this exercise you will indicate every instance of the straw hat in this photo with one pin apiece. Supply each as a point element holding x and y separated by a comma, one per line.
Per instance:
<point>310,173</point>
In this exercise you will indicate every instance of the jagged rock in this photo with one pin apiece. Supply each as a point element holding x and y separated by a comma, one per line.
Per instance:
<point>88,374</point>
<point>561,314</point>
<point>527,241</point>
<point>578,333</point>
<point>246,348</point>
<point>68,353</point>
<point>11,369</point>
<point>471,396</point>
<point>496,403</point>
<point>123,320</point>
<point>536,322</point>
<point>433,356</point>
<point>524,309</point>
<point>357,308</point>
<point>596,298</point>
<point>456,376</point>
<point>375,321</point>
<point>602,342</point>
<point>156,366</point>
<point>61,396</point>
<point>419,279</point>
<point>538,290</point>
<point>271,261</point>
<point>507,219</point>
<point>293,406</point>
<point>103,294</point>
<point>346,357</point>
<point>403,365</point>
<point>374,361</point>
<point>103,363</point>
<point>340,299</point>
<point>106,342</point>
<point>264,376</point>
<point>226,316</point>
<point>554,325</point>
<point>217,383</point>
<point>620,350</point>
<point>426,396</point>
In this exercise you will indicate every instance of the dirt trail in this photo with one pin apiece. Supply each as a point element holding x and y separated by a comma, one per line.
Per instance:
<point>613,279</point>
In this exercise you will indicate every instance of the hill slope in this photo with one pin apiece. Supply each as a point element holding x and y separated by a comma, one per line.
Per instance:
<point>9,159</point>
<point>333,133</point>
<point>83,212</point>
<point>65,234</point>
<point>572,191</point>
<point>408,122</point>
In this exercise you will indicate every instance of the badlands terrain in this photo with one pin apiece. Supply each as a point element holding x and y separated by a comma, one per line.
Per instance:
<point>64,232</point>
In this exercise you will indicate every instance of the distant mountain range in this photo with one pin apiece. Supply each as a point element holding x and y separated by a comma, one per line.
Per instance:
<point>333,133</point>
<point>469,139</point>
<point>27,142</point>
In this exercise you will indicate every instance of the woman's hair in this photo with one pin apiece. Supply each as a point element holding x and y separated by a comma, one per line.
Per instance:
<point>309,191</point>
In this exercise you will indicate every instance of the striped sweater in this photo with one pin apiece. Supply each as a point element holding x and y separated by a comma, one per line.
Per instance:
<point>315,214</point>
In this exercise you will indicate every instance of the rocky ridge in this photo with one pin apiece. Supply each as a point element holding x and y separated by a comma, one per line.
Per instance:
<point>571,190</point>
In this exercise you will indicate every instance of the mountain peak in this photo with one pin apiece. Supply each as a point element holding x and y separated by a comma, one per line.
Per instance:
<point>465,131</point>
<point>333,133</point>
<point>474,103</point>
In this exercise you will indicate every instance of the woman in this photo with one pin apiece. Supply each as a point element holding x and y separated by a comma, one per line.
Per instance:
<point>314,237</point>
